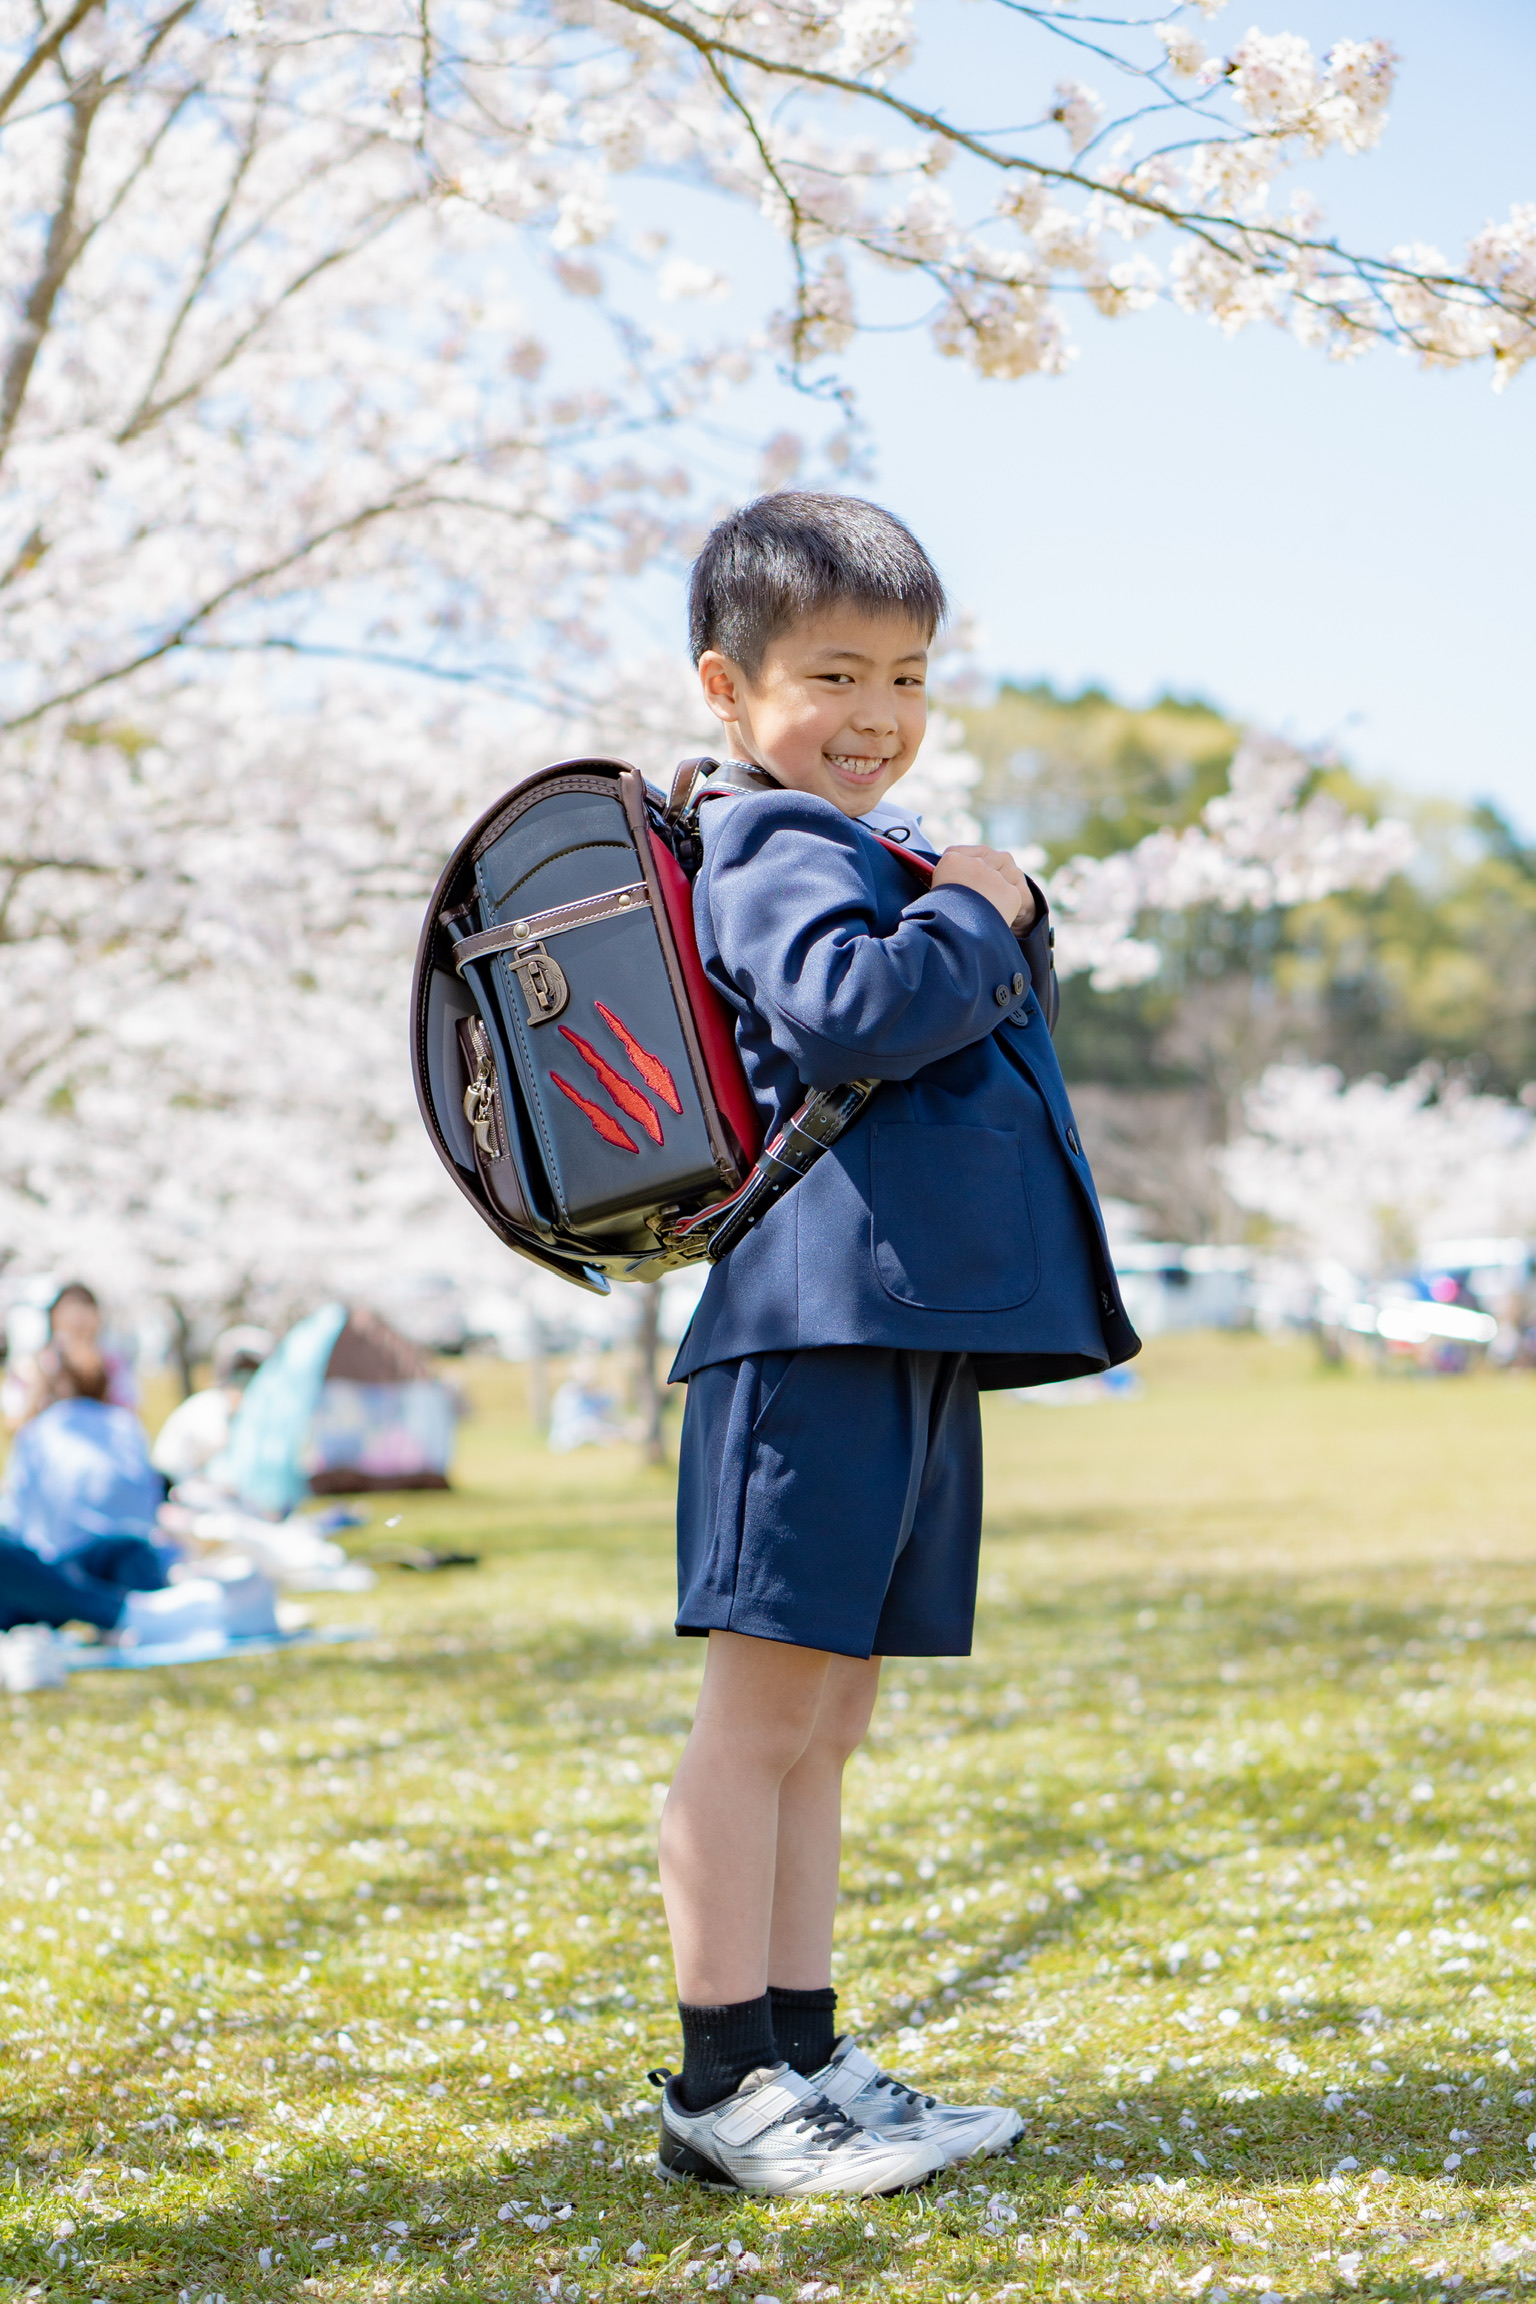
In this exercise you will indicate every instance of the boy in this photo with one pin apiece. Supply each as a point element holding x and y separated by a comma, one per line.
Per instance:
<point>830,1491</point>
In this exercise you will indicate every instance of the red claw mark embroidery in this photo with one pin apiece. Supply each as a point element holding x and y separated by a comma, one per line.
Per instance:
<point>650,1068</point>
<point>605,1124</point>
<point>628,1099</point>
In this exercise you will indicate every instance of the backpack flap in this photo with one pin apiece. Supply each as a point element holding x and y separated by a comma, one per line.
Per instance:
<point>569,963</point>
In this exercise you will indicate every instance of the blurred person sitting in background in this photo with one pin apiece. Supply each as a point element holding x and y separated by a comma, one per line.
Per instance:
<point>194,1433</point>
<point>72,1326</point>
<point>79,1484</point>
<point>78,1520</point>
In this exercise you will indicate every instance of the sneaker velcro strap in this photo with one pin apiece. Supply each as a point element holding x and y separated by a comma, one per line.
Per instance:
<point>848,2075</point>
<point>762,2108</point>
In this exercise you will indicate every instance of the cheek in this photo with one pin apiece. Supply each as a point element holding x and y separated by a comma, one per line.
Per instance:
<point>806,720</point>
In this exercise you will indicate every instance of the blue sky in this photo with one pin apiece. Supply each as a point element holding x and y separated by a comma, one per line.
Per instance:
<point>1339,553</point>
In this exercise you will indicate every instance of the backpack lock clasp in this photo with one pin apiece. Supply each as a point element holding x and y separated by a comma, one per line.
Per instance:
<point>545,990</point>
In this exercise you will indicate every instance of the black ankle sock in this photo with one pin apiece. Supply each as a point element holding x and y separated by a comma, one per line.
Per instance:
<point>721,2046</point>
<point>804,2026</point>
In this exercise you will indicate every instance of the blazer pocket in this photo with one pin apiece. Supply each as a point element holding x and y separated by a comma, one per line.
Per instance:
<point>951,1218</point>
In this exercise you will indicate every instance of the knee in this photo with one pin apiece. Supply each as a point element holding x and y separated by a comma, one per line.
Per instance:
<point>766,1740</point>
<point>782,1742</point>
<point>841,1727</point>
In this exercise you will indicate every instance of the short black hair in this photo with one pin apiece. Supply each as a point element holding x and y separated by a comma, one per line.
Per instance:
<point>790,555</point>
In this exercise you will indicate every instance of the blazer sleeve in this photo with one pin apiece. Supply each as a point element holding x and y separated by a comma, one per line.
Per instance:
<point>795,912</point>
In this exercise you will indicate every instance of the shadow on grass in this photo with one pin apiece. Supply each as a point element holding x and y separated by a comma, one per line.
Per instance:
<point>1249,1651</point>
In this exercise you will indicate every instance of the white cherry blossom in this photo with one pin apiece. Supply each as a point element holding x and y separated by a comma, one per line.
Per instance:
<point>1366,1172</point>
<point>309,519</point>
<point>1257,845</point>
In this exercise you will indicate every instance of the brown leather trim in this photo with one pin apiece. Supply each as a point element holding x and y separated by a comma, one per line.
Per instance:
<point>632,792</point>
<point>607,905</point>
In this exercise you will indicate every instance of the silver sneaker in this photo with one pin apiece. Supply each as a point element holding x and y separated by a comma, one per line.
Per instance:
<point>778,2135</point>
<point>886,2107</point>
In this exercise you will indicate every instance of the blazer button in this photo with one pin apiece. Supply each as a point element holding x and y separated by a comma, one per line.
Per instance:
<point>1001,995</point>
<point>1018,983</point>
<point>1073,1142</point>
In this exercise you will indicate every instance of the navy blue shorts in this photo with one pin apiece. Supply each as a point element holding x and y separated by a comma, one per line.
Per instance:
<point>832,1499</point>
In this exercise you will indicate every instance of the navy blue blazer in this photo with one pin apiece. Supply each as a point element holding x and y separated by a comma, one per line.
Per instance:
<point>958,1213</point>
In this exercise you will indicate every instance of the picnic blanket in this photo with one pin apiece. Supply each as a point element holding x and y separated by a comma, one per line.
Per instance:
<point>212,1648</point>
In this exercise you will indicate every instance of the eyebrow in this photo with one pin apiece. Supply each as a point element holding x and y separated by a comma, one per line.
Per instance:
<point>856,656</point>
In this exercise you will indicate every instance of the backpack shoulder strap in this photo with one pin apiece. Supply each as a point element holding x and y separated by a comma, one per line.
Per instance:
<point>685,777</point>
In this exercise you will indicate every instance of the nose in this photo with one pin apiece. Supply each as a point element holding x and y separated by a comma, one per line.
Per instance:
<point>874,715</point>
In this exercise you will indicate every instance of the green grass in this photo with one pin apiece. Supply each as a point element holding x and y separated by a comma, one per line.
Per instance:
<point>338,1974</point>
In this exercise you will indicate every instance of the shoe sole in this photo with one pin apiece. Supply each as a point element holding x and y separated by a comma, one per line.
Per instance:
<point>686,2165</point>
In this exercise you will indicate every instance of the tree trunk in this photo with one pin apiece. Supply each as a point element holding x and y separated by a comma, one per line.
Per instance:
<point>648,1390</point>
<point>538,1377</point>
<point>181,1349</point>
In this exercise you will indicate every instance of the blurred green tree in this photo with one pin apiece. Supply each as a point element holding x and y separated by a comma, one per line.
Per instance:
<point>1437,966</point>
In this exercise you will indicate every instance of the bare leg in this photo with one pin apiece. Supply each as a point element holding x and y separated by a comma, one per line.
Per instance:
<point>757,1713</point>
<point>810,1828</point>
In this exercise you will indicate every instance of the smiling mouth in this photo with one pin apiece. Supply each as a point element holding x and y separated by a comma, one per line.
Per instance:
<point>857,763</point>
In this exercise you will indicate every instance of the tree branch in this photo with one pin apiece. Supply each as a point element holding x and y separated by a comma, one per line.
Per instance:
<point>59,253</point>
<point>1216,231</point>
<point>47,48</point>
<point>419,492</point>
<point>244,156</point>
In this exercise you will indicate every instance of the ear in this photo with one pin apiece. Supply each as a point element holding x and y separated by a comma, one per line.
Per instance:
<point>723,684</point>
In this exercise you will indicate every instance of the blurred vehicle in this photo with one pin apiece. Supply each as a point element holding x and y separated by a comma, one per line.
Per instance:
<point>1168,1285</point>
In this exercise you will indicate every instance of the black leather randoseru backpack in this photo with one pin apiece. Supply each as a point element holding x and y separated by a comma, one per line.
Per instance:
<point>576,1070</point>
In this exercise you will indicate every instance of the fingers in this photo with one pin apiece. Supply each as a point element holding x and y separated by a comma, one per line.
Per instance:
<point>996,859</point>
<point>959,869</point>
<point>993,873</point>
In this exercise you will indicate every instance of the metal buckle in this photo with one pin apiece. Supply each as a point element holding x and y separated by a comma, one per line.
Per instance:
<point>545,989</point>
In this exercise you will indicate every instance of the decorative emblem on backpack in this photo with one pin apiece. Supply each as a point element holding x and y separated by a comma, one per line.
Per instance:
<point>650,1068</point>
<point>604,1122</point>
<point>545,990</point>
<point>629,1099</point>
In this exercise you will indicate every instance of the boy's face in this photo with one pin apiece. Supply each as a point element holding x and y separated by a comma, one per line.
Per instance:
<point>838,706</point>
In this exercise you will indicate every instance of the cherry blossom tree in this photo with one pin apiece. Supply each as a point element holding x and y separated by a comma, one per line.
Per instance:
<point>334,402</point>
<point>266,384</point>
<point>1186,149</point>
<point>1259,844</point>
<point>1364,1173</point>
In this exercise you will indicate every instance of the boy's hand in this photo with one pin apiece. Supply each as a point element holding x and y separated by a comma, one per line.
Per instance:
<point>993,873</point>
